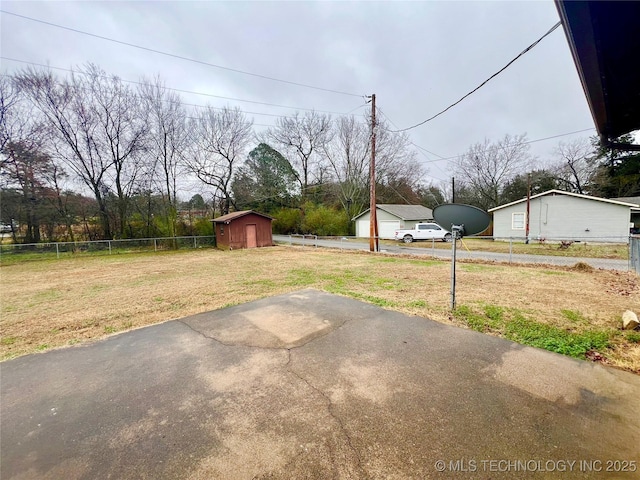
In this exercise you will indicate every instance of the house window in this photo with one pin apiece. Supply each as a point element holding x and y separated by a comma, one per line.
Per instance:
<point>517,221</point>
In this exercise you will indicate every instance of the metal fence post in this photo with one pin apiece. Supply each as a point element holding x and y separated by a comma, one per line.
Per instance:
<point>155,245</point>
<point>433,247</point>
<point>57,251</point>
<point>109,247</point>
<point>195,243</point>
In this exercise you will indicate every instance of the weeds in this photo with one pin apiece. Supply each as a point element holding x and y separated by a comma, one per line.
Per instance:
<point>515,326</point>
<point>573,316</point>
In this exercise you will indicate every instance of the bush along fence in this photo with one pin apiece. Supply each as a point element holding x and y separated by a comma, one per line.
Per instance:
<point>104,247</point>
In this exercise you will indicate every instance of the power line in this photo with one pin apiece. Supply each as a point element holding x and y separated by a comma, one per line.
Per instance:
<point>180,56</point>
<point>485,82</point>
<point>395,131</point>
<point>514,144</point>
<point>421,149</point>
<point>133,82</point>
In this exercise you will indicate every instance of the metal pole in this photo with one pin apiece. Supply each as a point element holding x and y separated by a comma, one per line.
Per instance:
<point>57,251</point>
<point>528,206</point>
<point>454,231</point>
<point>510,248</point>
<point>155,245</point>
<point>109,247</point>
<point>433,247</point>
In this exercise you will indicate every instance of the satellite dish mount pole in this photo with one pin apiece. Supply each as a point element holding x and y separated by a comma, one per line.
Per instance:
<point>456,232</point>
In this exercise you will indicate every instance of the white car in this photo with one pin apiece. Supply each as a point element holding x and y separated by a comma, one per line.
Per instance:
<point>424,231</point>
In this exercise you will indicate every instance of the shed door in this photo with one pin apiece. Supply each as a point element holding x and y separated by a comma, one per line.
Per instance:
<point>251,235</point>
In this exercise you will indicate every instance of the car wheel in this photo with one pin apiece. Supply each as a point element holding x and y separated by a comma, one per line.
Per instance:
<point>407,239</point>
<point>447,238</point>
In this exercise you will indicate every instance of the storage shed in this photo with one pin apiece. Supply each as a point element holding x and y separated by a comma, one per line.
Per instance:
<point>558,215</point>
<point>391,218</point>
<point>246,229</point>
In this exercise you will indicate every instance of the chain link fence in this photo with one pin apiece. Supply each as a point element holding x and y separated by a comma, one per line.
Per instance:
<point>612,253</point>
<point>634,253</point>
<point>29,251</point>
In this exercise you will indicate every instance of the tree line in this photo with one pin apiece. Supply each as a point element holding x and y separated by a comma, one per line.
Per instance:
<point>492,173</point>
<point>89,156</point>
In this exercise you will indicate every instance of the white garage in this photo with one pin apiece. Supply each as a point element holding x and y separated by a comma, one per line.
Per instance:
<point>391,218</point>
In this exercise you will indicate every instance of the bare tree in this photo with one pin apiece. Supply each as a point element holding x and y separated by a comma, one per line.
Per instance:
<point>9,98</point>
<point>99,131</point>
<point>577,164</point>
<point>122,126</point>
<point>488,166</point>
<point>167,141</point>
<point>27,169</point>
<point>219,143</point>
<point>397,167</point>
<point>348,154</point>
<point>20,121</point>
<point>75,126</point>
<point>302,138</point>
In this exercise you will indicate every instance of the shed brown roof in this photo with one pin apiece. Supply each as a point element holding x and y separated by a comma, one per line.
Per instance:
<point>232,216</point>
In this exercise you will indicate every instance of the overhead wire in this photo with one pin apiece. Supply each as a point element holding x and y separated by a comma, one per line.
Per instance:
<point>515,144</point>
<point>421,149</point>
<point>133,82</point>
<point>173,55</point>
<point>483,83</point>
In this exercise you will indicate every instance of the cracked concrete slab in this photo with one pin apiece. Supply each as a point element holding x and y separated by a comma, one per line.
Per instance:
<point>313,385</point>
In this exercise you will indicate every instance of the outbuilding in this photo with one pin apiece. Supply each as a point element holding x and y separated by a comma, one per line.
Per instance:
<point>557,215</point>
<point>391,218</point>
<point>245,229</point>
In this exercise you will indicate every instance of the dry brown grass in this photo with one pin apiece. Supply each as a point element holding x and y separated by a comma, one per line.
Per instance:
<point>51,303</point>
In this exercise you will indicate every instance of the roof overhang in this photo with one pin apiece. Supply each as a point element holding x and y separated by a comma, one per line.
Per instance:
<point>604,41</point>
<point>568,194</point>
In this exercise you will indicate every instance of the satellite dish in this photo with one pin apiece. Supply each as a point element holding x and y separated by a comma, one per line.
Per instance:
<point>461,220</point>
<point>472,219</point>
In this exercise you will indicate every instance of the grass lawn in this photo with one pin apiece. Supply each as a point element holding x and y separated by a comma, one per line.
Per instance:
<point>582,249</point>
<point>52,303</point>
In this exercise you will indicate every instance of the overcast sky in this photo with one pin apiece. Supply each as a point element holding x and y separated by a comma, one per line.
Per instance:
<point>417,57</point>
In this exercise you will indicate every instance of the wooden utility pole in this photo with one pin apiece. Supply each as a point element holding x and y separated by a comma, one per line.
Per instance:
<point>373,220</point>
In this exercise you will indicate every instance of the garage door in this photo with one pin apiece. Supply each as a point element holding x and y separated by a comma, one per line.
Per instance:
<point>387,228</point>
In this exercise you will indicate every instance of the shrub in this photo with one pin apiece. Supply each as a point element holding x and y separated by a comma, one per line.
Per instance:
<point>287,220</point>
<point>324,221</point>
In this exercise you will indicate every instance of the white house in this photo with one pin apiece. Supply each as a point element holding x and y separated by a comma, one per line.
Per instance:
<point>558,215</point>
<point>391,218</point>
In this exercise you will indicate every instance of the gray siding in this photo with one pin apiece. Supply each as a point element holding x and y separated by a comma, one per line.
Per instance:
<point>562,217</point>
